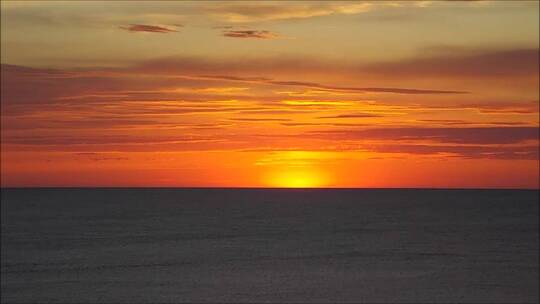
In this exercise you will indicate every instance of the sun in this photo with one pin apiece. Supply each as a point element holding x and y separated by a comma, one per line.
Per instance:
<point>296,179</point>
<point>295,169</point>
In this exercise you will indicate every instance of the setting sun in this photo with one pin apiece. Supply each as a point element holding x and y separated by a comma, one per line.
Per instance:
<point>296,169</point>
<point>296,179</point>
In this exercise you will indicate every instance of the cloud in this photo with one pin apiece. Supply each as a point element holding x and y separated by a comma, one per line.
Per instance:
<point>314,124</point>
<point>314,85</point>
<point>154,80</point>
<point>469,135</point>
<point>52,109</point>
<point>92,156</point>
<point>364,89</point>
<point>440,63</point>
<point>268,11</point>
<point>260,119</point>
<point>54,140</point>
<point>148,28</point>
<point>356,115</point>
<point>507,107</point>
<point>489,64</point>
<point>250,34</point>
<point>529,152</point>
<point>20,123</point>
<point>487,107</point>
<point>179,80</point>
<point>273,112</point>
<point>43,88</point>
<point>459,122</point>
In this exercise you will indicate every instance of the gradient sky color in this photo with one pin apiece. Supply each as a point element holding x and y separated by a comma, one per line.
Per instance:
<point>270,94</point>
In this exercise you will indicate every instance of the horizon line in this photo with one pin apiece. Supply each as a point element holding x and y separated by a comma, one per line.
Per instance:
<point>263,188</point>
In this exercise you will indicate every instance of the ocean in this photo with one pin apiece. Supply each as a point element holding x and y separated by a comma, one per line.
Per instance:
<point>269,245</point>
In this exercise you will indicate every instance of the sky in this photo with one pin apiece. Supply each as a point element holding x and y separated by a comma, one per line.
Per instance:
<point>366,94</point>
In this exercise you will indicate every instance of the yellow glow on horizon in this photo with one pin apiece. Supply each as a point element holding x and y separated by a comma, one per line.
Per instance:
<point>296,169</point>
<point>296,179</point>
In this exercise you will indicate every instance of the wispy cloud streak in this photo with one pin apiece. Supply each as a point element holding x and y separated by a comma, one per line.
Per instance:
<point>147,28</point>
<point>250,34</point>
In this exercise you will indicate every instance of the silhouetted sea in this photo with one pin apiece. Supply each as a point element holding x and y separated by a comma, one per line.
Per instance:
<point>261,245</point>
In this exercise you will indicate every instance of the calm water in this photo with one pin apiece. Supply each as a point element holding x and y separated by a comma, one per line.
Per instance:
<point>199,245</point>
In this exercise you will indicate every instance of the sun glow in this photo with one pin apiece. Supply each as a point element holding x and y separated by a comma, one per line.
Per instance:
<point>296,169</point>
<point>296,179</point>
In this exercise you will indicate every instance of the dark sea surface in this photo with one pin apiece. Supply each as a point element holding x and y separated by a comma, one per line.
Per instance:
<point>260,245</point>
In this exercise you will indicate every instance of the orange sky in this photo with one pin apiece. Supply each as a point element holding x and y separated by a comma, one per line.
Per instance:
<point>270,94</point>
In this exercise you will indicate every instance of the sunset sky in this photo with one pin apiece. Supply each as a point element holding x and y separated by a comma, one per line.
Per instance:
<point>270,94</point>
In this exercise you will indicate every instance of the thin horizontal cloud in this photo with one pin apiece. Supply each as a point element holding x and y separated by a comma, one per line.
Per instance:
<point>272,112</point>
<point>251,12</point>
<point>366,89</point>
<point>445,121</point>
<point>48,88</point>
<point>23,86</point>
<point>314,124</point>
<point>489,107</point>
<point>148,28</point>
<point>99,157</point>
<point>496,63</point>
<point>517,108</point>
<point>459,122</point>
<point>488,65</point>
<point>260,119</point>
<point>468,135</point>
<point>21,123</point>
<point>529,152</point>
<point>314,85</point>
<point>105,140</point>
<point>261,34</point>
<point>355,115</point>
<point>390,148</point>
<point>437,62</point>
<point>224,27</point>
